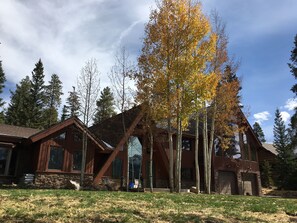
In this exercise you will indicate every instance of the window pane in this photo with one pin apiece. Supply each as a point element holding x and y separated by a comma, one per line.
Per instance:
<point>117,168</point>
<point>186,144</point>
<point>234,148</point>
<point>135,157</point>
<point>253,153</point>
<point>217,147</point>
<point>3,159</point>
<point>56,158</point>
<point>62,136</point>
<point>245,148</point>
<point>186,174</point>
<point>77,157</point>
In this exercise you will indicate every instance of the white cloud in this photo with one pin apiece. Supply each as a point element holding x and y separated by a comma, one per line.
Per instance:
<point>291,104</point>
<point>65,34</point>
<point>261,116</point>
<point>285,116</point>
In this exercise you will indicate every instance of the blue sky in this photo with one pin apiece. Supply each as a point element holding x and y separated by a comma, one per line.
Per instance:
<point>65,34</point>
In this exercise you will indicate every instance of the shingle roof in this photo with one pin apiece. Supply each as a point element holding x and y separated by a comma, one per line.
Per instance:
<point>17,131</point>
<point>270,148</point>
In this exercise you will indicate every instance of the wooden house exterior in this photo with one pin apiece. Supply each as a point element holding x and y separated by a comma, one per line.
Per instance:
<point>231,174</point>
<point>53,156</point>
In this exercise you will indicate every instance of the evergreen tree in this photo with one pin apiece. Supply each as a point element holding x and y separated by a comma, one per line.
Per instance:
<point>293,64</point>
<point>293,69</point>
<point>18,111</point>
<point>53,93</point>
<point>65,113</point>
<point>105,106</point>
<point>73,103</point>
<point>259,132</point>
<point>285,158</point>
<point>266,176</point>
<point>2,80</point>
<point>37,93</point>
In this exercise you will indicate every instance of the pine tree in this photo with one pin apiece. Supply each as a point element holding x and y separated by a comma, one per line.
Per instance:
<point>259,132</point>
<point>73,103</point>
<point>293,69</point>
<point>37,94</point>
<point>2,80</point>
<point>53,92</point>
<point>105,106</point>
<point>286,164</point>
<point>266,175</point>
<point>293,64</point>
<point>18,111</point>
<point>65,113</point>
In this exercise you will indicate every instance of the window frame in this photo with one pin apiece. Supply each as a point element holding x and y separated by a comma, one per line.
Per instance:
<point>189,142</point>
<point>7,162</point>
<point>72,166</point>
<point>49,158</point>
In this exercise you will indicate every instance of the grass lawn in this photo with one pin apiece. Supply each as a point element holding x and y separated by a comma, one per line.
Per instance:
<point>20,205</point>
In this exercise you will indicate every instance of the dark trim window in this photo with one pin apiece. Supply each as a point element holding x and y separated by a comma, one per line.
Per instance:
<point>77,136</point>
<point>246,154</point>
<point>76,161</point>
<point>253,153</point>
<point>117,168</point>
<point>5,154</point>
<point>56,158</point>
<point>186,174</point>
<point>186,144</point>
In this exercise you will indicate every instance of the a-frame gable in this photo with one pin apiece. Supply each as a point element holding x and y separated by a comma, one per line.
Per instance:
<point>64,124</point>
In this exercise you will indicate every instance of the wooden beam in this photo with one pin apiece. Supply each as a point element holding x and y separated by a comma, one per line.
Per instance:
<point>117,149</point>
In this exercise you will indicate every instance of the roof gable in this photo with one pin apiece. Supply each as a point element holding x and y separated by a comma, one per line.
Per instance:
<point>68,122</point>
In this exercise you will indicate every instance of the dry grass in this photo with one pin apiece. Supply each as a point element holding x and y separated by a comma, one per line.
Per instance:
<point>92,206</point>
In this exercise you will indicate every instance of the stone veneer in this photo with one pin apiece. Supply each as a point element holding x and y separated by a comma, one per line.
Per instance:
<point>60,180</point>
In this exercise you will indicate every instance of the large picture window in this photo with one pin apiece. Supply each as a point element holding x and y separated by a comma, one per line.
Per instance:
<point>77,157</point>
<point>56,158</point>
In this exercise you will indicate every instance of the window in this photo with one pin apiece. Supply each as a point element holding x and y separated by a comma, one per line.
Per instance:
<point>76,161</point>
<point>56,158</point>
<point>62,136</point>
<point>217,147</point>
<point>117,168</point>
<point>234,148</point>
<point>186,144</point>
<point>4,160</point>
<point>186,174</point>
<point>246,155</point>
<point>77,136</point>
<point>135,157</point>
<point>253,153</point>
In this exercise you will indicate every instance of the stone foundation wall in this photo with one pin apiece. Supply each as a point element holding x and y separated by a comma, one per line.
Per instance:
<point>60,180</point>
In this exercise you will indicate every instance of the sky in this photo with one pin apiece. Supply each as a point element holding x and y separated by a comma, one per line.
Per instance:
<point>65,34</point>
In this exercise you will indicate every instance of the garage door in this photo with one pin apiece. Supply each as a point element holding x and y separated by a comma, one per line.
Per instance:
<point>227,182</point>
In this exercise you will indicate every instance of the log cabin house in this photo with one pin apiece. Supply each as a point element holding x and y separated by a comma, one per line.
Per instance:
<point>53,156</point>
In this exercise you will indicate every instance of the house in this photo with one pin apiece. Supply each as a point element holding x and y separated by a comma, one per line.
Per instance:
<point>53,155</point>
<point>235,172</point>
